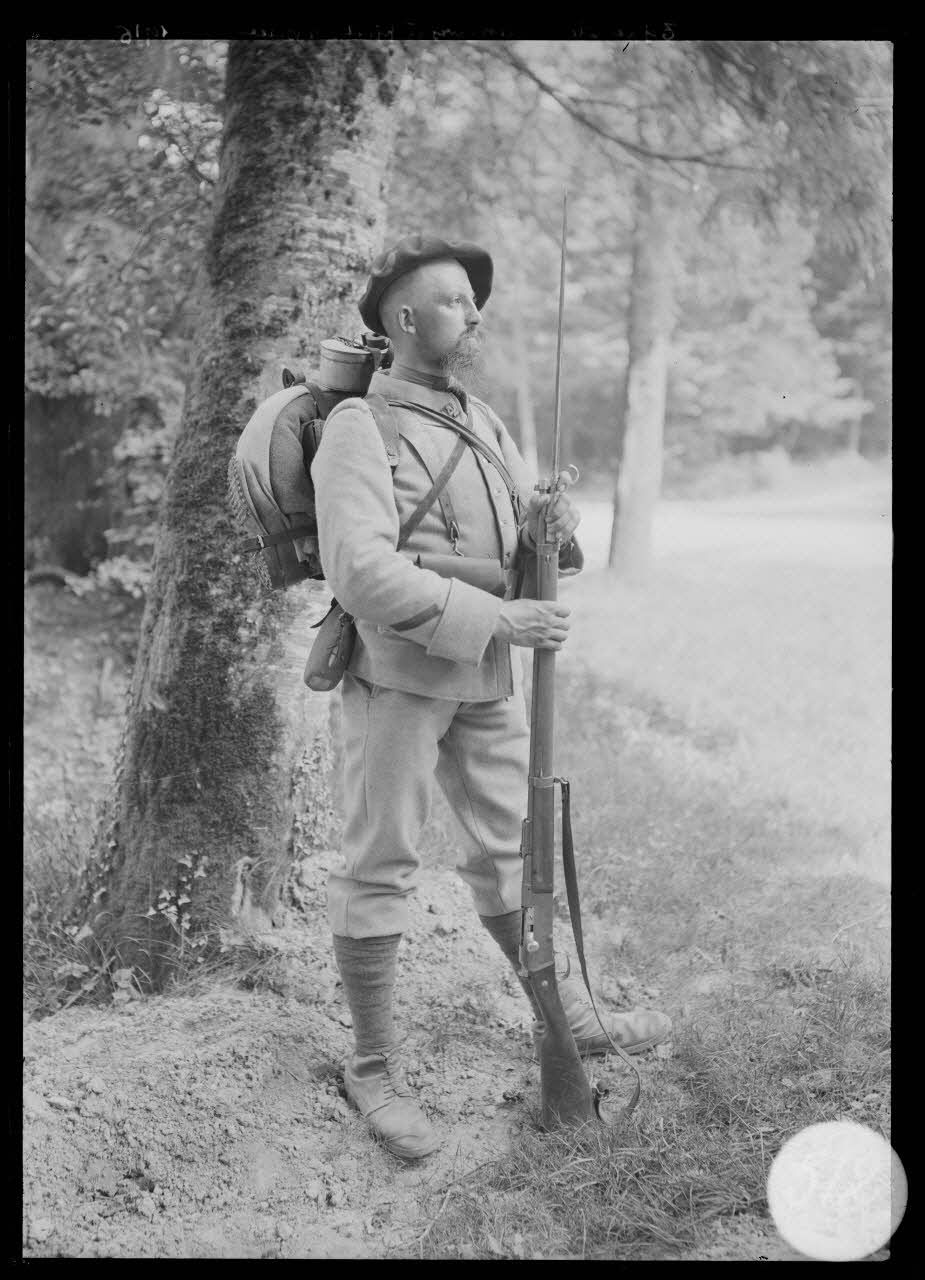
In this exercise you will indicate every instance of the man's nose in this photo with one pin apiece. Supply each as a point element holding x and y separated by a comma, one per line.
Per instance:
<point>473,315</point>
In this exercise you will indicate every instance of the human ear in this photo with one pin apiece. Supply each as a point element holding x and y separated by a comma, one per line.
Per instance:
<point>406,318</point>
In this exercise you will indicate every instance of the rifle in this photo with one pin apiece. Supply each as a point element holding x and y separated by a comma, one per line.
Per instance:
<point>567,1096</point>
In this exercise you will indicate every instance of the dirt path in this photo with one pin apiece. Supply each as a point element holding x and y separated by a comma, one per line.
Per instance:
<point>214,1125</point>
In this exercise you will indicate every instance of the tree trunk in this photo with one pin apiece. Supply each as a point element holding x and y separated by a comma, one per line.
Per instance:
<point>639,468</point>
<point>225,750</point>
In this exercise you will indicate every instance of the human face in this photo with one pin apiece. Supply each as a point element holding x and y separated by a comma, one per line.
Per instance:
<point>442,327</point>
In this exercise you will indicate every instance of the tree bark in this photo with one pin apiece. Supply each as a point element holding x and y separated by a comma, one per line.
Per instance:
<point>651,316</point>
<point>223,763</point>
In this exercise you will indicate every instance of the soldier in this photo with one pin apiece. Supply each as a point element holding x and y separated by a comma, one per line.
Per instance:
<point>429,690</point>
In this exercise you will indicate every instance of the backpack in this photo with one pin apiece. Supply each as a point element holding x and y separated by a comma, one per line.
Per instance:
<point>271,495</point>
<point>270,489</point>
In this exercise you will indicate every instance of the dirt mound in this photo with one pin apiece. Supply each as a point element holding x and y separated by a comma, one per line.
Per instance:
<point>213,1124</point>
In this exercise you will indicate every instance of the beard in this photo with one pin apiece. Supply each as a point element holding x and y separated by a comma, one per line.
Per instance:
<point>464,359</point>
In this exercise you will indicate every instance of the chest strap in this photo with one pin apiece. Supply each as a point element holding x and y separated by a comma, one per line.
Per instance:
<point>477,443</point>
<point>437,492</point>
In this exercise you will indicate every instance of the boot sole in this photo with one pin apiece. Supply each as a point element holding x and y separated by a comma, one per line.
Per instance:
<point>404,1155</point>
<point>601,1051</point>
<point>588,1049</point>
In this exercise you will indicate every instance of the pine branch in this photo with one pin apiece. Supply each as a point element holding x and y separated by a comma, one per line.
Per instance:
<point>707,158</point>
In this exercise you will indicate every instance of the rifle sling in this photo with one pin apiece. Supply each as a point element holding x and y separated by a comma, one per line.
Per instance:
<point>574,910</point>
<point>467,434</point>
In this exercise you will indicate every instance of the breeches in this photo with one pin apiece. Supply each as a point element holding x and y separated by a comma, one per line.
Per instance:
<point>395,743</point>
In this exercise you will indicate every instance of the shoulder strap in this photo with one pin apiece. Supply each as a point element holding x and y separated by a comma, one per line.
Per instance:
<point>387,424</point>
<point>469,436</point>
<point>386,421</point>
<point>324,403</point>
<point>384,418</point>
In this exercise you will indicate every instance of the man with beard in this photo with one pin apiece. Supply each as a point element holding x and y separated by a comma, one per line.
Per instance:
<point>429,689</point>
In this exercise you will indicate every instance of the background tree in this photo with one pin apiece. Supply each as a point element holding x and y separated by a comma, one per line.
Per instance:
<point>121,153</point>
<point>775,124</point>
<point>215,776</point>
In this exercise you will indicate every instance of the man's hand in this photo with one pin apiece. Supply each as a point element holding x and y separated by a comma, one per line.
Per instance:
<point>563,519</point>
<point>534,624</point>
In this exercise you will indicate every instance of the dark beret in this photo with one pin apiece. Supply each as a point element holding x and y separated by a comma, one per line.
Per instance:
<point>410,253</point>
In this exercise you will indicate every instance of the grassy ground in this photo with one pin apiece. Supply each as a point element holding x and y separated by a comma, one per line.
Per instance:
<point>726,731</point>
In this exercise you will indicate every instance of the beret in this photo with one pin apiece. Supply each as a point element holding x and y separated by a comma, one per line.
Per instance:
<point>409,253</point>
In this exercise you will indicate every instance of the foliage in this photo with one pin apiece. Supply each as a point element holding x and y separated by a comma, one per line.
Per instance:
<point>136,475</point>
<point>122,160</point>
<point>748,360</point>
<point>816,114</point>
<point>773,155</point>
<point>852,310</point>
<point>507,124</point>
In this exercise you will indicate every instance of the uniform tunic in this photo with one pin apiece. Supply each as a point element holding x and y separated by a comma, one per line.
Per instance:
<point>428,688</point>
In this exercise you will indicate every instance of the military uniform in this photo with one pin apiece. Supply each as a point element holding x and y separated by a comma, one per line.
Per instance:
<point>428,687</point>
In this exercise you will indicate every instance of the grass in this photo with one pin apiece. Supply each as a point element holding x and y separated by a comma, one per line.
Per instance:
<point>785,665</point>
<point>726,732</point>
<point>743,1077</point>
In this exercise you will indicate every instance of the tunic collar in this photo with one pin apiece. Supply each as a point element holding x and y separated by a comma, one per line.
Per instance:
<point>453,400</point>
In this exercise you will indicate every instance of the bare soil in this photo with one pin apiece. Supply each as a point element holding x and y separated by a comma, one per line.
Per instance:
<point>213,1123</point>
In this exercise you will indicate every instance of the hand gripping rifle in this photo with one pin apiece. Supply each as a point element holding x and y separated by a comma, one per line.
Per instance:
<point>567,1096</point>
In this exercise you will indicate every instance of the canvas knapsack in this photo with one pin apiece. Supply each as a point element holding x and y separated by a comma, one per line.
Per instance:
<point>270,489</point>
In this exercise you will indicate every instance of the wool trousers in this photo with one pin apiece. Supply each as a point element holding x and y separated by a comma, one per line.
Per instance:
<point>395,744</point>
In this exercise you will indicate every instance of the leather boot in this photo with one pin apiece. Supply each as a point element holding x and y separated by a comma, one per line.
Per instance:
<point>377,1087</point>
<point>633,1031</point>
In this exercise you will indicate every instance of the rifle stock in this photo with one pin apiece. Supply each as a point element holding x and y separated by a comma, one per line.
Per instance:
<point>565,1092</point>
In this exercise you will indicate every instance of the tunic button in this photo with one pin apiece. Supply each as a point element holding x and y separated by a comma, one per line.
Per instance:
<point>450,409</point>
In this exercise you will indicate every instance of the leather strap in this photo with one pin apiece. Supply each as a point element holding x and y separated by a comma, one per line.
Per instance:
<point>574,910</point>
<point>437,492</point>
<point>387,423</point>
<point>466,432</point>
<point>274,539</point>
